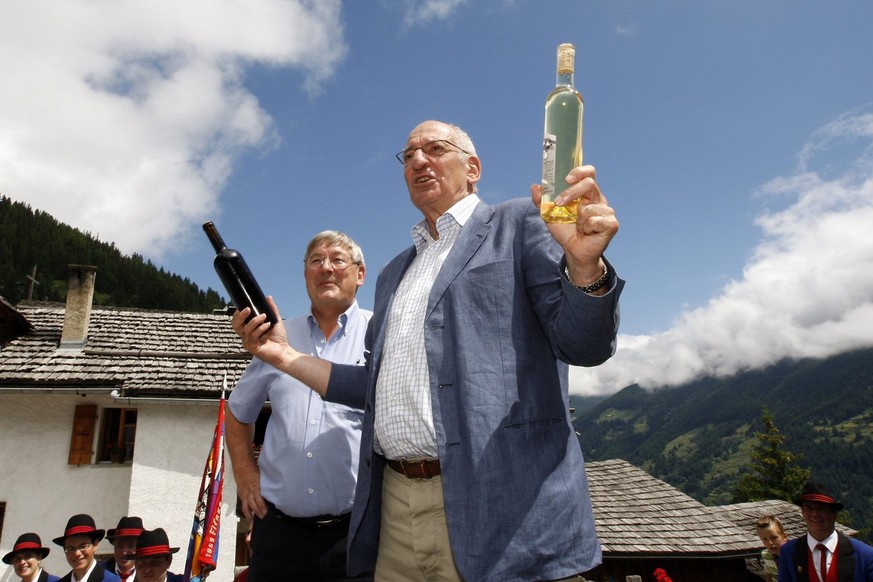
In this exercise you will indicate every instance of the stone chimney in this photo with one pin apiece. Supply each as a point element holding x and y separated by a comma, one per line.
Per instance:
<point>77,315</point>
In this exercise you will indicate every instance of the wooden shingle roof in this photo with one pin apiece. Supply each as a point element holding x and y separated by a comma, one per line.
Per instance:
<point>746,514</point>
<point>138,352</point>
<point>636,513</point>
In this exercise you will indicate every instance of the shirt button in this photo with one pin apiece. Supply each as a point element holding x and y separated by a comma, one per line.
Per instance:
<point>311,490</point>
<point>313,422</point>
<point>309,455</point>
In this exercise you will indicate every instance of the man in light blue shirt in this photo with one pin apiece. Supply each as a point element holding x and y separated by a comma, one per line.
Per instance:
<point>300,489</point>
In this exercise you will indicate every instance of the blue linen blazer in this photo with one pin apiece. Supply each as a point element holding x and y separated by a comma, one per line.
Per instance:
<point>854,561</point>
<point>500,327</point>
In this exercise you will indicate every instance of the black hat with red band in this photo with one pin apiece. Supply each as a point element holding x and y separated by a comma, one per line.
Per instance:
<point>80,525</point>
<point>152,543</point>
<point>28,542</point>
<point>817,493</point>
<point>128,527</point>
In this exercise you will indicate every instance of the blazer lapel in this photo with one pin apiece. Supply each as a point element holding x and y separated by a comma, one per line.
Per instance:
<point>845,559</point>
<point>472,236</point>
<point>801,560</point>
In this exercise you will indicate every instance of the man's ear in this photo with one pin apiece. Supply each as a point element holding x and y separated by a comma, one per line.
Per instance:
<point>474,171</point>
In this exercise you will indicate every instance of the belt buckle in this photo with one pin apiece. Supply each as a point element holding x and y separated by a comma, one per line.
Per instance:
<point>421,464</point>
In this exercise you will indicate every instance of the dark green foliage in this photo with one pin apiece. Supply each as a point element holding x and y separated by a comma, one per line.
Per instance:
<point>31,238</point>
<point>700,436</point>
<point>774,472</point>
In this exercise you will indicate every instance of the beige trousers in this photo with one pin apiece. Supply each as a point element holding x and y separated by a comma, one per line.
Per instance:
<point>414,537</point>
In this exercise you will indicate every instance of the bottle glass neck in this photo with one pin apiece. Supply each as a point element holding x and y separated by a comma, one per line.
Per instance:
<point>565,79</point>
<point>214,237</point>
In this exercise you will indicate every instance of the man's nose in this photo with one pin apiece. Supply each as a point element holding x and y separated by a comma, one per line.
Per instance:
<point>418,158</point>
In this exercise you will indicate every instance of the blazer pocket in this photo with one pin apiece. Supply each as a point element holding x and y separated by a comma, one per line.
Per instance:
<point>493,283</point>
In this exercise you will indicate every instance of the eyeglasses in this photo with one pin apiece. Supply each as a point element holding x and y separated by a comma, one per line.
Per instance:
<point>337,263</point>
<point>432,149</point>
<point>79,548</point>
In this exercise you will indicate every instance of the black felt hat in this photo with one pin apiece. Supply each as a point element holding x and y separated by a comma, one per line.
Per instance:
<point>153,543</point>
<point>128,527</point>
<point>81,524</point>
<point>817,493</point>
<point>28,542</point>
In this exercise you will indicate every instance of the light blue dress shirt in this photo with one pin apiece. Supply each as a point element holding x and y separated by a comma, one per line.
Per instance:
<point>309,460</point>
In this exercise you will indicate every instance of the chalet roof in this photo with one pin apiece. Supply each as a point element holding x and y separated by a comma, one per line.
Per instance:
<point>746,514</point>
<point>635,513</point>
<point>12,323</point>
<point>138,352</point>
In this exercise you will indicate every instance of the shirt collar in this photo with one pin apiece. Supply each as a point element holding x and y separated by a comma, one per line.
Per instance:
<point>830,542</point>
<point>87,574</point>
<point>342,320</point>
<point>459,214</point>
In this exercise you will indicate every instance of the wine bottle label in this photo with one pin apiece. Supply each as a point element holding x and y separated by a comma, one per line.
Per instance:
<point>550,148</point>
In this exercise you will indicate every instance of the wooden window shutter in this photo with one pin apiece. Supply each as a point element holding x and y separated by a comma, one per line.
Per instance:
<point>84,422</point>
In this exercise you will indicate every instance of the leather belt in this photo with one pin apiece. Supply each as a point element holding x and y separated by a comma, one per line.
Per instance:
<point>421,469</point>
<point>316,521</point>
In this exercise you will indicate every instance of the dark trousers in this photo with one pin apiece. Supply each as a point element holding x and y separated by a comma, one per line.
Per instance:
<point>286,548</point>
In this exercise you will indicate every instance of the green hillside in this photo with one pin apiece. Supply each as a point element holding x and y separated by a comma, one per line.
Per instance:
<point>31,238</point>
<point>698,436</point>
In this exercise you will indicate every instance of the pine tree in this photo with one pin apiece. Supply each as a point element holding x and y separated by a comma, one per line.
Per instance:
<point>775,472</point>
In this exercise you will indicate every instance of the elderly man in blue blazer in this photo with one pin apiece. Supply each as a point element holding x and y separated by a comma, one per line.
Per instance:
<point>470,468</point>
<point>823,554</point>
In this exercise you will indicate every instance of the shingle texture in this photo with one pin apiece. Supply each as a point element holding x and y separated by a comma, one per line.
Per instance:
<point>636,513</point>
<point>139,352</point>
<point>746,514</point>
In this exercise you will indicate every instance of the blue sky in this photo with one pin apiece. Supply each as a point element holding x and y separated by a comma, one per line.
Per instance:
<point>732,138</point>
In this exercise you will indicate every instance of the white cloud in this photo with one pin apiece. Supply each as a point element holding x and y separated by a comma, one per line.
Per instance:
<point>807,291</point>
<point>125,118</point>
<point>627,29</point>
<point>422,12</point>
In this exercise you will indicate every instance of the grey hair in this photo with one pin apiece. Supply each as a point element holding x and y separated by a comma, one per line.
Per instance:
<point>335,237</point>
<point>462,139</point>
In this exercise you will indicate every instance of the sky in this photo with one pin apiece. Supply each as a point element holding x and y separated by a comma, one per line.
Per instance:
<point>733,139</point>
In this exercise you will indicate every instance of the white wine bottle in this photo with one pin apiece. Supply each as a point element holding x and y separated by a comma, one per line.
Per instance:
<point>562,138</point>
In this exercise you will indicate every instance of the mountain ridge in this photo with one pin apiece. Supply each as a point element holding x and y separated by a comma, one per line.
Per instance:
<point>698,436</point>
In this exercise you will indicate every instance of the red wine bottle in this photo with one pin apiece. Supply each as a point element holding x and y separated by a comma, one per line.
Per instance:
<point>238,280</point>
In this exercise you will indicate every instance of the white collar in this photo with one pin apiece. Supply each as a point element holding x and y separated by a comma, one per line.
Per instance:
<point>829,542</point>
<point>88,573</point>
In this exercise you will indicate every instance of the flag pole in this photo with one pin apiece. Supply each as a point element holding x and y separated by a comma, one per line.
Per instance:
<point>206,527</point>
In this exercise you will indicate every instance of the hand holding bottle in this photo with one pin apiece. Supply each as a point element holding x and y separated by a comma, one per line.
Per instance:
<point>269,342</point>
<point>585,240</point>
<point>266,341</point>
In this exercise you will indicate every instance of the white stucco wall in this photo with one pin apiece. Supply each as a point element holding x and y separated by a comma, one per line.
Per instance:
<point>42,491</point>
<point>171,448</point>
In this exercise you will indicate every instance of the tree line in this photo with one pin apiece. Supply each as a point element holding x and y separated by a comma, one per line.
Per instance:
<point>34,239</point>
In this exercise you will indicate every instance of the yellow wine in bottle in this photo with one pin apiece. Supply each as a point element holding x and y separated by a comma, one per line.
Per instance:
<point>562,138</point>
